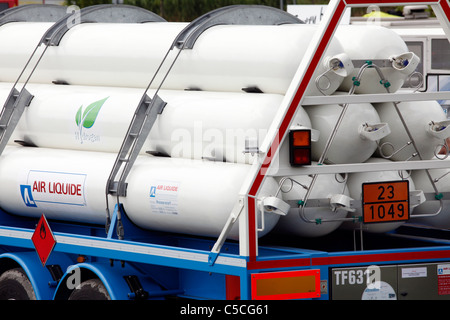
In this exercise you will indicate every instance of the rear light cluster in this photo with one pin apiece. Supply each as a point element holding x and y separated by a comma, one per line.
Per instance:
<point>300,147</point>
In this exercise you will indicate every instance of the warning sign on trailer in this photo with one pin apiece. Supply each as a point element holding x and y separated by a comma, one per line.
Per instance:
<point>443,272</point>
<point>43,240</point>
<point>164,197</point>
<point>385,201</point>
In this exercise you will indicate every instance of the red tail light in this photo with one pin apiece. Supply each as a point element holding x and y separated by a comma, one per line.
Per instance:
<point>300,147</point>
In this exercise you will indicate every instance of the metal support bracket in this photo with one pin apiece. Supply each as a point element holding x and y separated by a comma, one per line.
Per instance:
<point>137,291</point>
<point>33,13</point>
<point>141,125</point>
<point>138,131</point>
<point>11,113</point>
<point>98,14</point>
<point>235,213</point>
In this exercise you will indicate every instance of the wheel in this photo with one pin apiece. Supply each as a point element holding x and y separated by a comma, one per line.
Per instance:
<point>15,285</point>
<point>92,289</point>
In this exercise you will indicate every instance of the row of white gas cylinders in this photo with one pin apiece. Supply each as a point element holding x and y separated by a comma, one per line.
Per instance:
<point>79,128</point>
<point>181,195</point>
<point>84,124</point>
<point>225,58</point>
<point>97,118</point>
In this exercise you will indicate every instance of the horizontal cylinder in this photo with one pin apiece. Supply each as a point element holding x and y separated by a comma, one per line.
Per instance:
<point>172,195</point>
<point>433,181</point>
<point>371,43</point>
<point>348,145</point>
<point>224,58</point>
<point>416,130</point>
<point>311,221</point>
<point>193,124</point>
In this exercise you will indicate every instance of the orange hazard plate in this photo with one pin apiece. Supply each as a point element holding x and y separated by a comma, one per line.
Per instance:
<point>385,201</point>
<point>283,285</point>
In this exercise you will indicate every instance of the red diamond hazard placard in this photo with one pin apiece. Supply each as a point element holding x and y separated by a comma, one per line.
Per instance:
<point>43,240</point>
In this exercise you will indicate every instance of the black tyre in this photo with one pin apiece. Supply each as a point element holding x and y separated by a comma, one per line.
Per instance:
<point>92,289</point>
<point>15,285</point>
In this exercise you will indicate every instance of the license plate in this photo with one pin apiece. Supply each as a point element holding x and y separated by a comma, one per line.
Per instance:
<point>385,201</point>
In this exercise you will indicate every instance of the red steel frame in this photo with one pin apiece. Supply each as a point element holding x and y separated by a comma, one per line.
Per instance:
<point>296,92</point>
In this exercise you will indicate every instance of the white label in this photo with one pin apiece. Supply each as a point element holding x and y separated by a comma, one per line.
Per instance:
<point>164,197</point>
<point>45,187</point>
<point>443,269</point>
<point>381,291</point>
<point>414,272</point>
<point>443,273</point>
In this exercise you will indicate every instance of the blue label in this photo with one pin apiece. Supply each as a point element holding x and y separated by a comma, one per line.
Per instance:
<point>152,192</point>
<point>27,196</point>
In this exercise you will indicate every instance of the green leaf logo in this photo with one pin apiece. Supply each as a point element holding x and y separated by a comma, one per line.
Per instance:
<point>87,117</point>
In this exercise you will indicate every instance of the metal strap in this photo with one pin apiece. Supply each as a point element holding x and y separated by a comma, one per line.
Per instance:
<point>232,15</point>
<point>33,13</point>
<point>98,14</point>
<point>11,113</point>
<point>141,125</point>
<point>143,120</point>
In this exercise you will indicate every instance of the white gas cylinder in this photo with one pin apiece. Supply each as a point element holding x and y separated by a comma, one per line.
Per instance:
<point>354,184</point>
<point>316,221</point>
<point>441,178</point>
<point>426,122</point>
<point>193,124</point>
<point>224,58</point>
<point>356,138</point>
<point>375,43</point>
<point>173,195</point>
<point>220,126</point>
<point>191,196</point>
<point>19,40</point>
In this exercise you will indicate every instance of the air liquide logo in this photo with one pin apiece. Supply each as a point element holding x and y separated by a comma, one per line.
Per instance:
<point>85,119</point>
<point>27,196</point>
<point>45,189</point>
<point>164,197</point>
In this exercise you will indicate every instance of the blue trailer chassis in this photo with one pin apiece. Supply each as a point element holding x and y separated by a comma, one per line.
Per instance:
<point>167,265</point>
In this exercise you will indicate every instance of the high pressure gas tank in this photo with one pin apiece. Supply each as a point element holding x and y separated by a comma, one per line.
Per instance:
<point>94,51</point>
<point>19,40</point>
<point>224,58</point>
<point>220,126</point>
<point>312,221</point>
<point>193,124</point>
<point>356,137</point>
<point>426,122</point>
<point>354,184</point>
<point>381,47</point>
<point>173,195</point>
<point>433,214</point>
